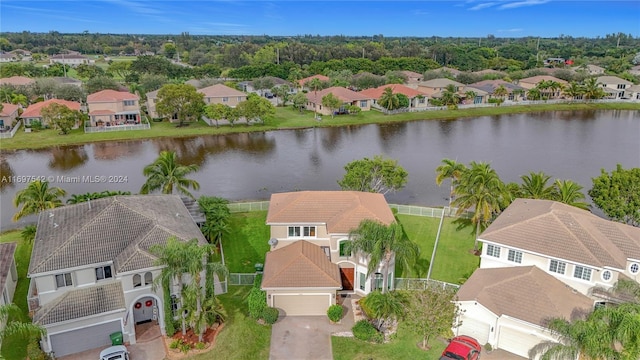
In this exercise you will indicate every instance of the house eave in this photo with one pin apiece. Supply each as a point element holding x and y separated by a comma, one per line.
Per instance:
<point>71,321</point>
<point>301,288</point>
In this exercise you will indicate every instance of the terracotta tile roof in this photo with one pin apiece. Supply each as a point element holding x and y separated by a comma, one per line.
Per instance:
<point>411,74</point>
<point>341,93</point>
<point>302,82</point>
<point>566,232</point>
<point>119,229</point>
<point>536,79</point>
<point>17,81</point>
<point>111,96</point>
<point>8,109</point>
<point>300,265</point>
<point>342,211</point>
<point>220,90</point>
<point>6,260</point>
<point>82,302</point>
<point>612,80</point>
<point>102,112</point>
<point>34,109</point>
<point>375,93</point>
<point>524,292</point>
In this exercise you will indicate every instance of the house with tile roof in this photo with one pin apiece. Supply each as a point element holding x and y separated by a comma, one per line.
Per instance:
<point>348,97</point>
<point>514,92</point>
<point>615,87</point>
<point>539,81</point>
<point>6,57</point>
<point>113,108</point>
<point>222,94</point>
<point>308,265</point>
<point>303,82</point>
<point>8,275</point>
<point>435,87</point>
<point>17,81</point>
<point>590,69</point>
<point>417,99</point>
<point>91,270</point>
<point>8,115</point>
<point>412,76</point>
<point>70,59</point>
<point>34,111</point>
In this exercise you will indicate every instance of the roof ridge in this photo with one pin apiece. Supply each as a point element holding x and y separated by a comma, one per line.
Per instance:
<point>573,235</point>
<point>324,273</point>
<point>292,259</point>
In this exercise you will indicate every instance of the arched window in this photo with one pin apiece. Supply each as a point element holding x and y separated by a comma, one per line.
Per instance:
<point>148,278</point>
<point>137,281</point>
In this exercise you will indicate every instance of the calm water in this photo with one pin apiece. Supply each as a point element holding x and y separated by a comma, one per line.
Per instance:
<point>566,145</point>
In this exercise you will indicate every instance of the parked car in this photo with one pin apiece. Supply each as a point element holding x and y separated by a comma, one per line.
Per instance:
<point>117,352</point>
<point>462,348</point>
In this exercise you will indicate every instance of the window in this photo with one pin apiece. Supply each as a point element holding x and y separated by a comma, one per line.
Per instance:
<point>306,231</point>
<point>309,231</point>
<point>225,99</point>
<point>148,278</point>
<point>239,98</point>
<point>327,251</point>
<point>557,267</point>
<point>137,281</point>
<point>377,281</point>
<point>174,305</point>
<point>421,100</point>
<point>634,268</point>
<point>493,250</point>
<point>343,249</point>
<point>621,86</point>
<point>581,272</point>
<point>390,281</point>
<point>362,281</point>
<point>129,102</point>
<point>606,275</point>
<point>294,231</point>
<point>103,272</point>
<point>515,256</point>
<point>363,103</point>
<point>511,97</point>
<point>63,280</point>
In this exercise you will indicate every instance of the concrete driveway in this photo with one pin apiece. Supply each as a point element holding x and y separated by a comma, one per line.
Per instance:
<point>149,350</point>
<point>301,338</point>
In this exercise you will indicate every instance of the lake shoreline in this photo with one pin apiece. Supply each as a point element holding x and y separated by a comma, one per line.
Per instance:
<point>285,119</point>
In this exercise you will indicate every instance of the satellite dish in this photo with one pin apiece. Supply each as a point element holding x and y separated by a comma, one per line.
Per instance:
<point>273,241</point>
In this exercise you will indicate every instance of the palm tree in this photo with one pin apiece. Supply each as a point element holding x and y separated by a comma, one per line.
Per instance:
<point>385,307</point>
<point>534,94</point>
<point>450,95</point>
<point>388,99</point>
<point>501,92</point>
<point>204,314</point>
<point>534,186</point>
<point>592,89</point>
<point>449,169</point>
<point>470,95</point>
<point>28,234</point>
<point>315,84</point>
<point>569,192</point>
<point>36,197</point>
<point>167,175</point>
<point>382,243</point>
<point>573,90</point>
<point>479,188</point>
<point>8,313</point>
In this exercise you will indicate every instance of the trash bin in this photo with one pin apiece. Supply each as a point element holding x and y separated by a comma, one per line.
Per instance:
<point>259,267</point>
<point>116,338</point>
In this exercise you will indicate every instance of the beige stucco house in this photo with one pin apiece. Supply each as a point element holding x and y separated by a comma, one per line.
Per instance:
<point>222,94</point>
<point>435,87</point>
<point>92,272</point>
<point>17,81</point>
<point>8,114</point>
<point>152,98</point>
<point>308,265</point>
<point>417,99</point>
<point>514,92</point>
<point>615,87</point>
<point>113,108</point>
<point>535,81</point>
<point>34,111</point>
<point>70,59</point>
<point>348,97</point>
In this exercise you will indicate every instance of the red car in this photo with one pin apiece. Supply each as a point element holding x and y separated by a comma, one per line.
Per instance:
<point>462,348</point>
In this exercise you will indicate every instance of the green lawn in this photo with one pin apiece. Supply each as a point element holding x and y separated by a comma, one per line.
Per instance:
<point>15,348</point>
<point>242,337</point>
<point>401,348</point>
<point>246,244</point>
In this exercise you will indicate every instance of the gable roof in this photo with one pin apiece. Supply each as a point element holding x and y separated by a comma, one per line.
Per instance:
<point>300,265</point>
<point>375,93</point>
<point>340,92</point>
<point>6,260</point>
<point>118,229</point>
<point>612,80</point>
<point>34,110</point>
<point>565,232</point>
<point>8,109</point>
<point>440,83</point>
<point>111,96</point>
<point>524,292</point>
<point>220,90</point>
<point>320,77</point>
<point>539,78</point>
<point>491,85</point>
<point>341,211</point>
<point>17,81</point>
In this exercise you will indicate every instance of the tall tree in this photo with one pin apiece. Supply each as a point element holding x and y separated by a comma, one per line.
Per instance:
<point>61,117</point>
<point>37,197</point>
<point>256,108</point>
<point>570,193</point>
<point>382,244</point>
<point>433,312</point>
<point>374,175</point>
<point>299,101</point>
<point>618,194</point>
<point>166,175</point>
<point>450,96</point>
<point>388,99</point>
<point>331,102</point>
<point>535,186</point>
<point>8,315</point>
<point>182,100</point>
<point>592,89</point>
<point>449,169</point>
<point>217,112</point>
<point>501,92</point>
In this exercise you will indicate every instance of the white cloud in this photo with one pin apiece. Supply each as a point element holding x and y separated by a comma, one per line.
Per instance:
<point>511,30</point>
<point>421,12</point>
<point>517,4</point>
<point>483,6</point>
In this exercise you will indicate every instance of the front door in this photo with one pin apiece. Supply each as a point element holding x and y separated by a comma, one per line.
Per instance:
<point>347,276</point>
<point>144,310</point>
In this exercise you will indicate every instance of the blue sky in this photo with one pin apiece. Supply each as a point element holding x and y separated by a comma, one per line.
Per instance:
<point>456,18</point>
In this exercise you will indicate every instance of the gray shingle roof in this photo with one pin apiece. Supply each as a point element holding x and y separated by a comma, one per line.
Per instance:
<point>6,259</point>
<point>119,229</point>
<point>80,303</point>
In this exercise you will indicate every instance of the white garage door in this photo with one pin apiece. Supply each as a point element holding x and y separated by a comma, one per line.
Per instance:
<point>517,341</point>
<point>475,328</point>
<point>292,305</point>
<point>75,341</point>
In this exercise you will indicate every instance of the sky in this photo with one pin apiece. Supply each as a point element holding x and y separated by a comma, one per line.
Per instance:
<point>451,18</point>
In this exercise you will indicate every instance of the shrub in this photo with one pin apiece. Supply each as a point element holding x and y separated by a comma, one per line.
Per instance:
<point>335,313</point>
<point>257,302</point>
<point>488,347</point>
<point>364,331</point>
<point>34,352</point>
<point>200,346</point>
<point>270,315</point>
<point>175,344</point>
<point>184,347</point>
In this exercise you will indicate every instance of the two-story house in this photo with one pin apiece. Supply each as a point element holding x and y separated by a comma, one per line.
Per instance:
<point>557,246</point>
<point>308,264</point>
<point>348,97</point>
<point>222,94</point>
<point>435,87</point>
<point>113,108</point>
<point>615,87</point>
<point>92,272</point>
<point>8,275</point>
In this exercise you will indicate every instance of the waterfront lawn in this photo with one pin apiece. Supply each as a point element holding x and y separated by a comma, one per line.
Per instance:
<point>454,260</point>
<point>246,244</point>
<point>15,347</point>
<point>242,338</point>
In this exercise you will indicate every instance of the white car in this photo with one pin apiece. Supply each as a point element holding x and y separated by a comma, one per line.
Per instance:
<point>118,352</point>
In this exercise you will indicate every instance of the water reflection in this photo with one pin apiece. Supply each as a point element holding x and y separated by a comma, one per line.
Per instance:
<point>67,157</point>
<point>116,150</point>
<point>6,173</point>
<point>387,134</point>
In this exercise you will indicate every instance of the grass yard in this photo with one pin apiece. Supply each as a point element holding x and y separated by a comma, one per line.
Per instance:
<point>242,337</point>
<point>401,348</point>
<point>453,260</point>
<point>246,244</point>
<point>15,348</point>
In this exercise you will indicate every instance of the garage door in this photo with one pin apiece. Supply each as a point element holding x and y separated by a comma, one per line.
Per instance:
<point>302,304</point>
<point>75,341</point>
<point>517,341</point>
<point>474,328</point>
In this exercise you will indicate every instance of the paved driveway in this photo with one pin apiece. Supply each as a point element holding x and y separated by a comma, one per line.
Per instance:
<point>150,350</point>
<point>301,338</point>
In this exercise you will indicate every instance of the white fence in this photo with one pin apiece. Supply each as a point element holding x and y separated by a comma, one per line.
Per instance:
<point>249,206</point>
<point>422,284</point>
<point>96,129</point>
<point>241,278</point>
<point>428,211</point>
<point>8,135</point>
